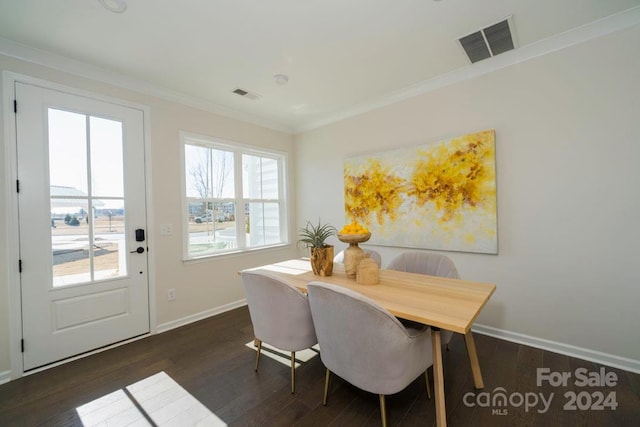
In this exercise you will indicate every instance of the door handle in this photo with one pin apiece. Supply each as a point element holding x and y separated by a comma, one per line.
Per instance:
<point>139,250</point>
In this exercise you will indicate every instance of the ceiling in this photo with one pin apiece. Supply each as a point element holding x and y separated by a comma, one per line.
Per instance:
<point>340,56</point>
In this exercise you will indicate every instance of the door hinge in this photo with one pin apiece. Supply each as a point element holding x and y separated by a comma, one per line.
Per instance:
<point>19,266</point>
<point>15,105</point>
<point>22,345</point>
<point>18,185</point>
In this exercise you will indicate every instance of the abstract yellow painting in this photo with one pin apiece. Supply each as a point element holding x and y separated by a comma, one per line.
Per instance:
<point>438,196</point>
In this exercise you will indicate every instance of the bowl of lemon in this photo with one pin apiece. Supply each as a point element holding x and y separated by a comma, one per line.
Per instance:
<point>354,233</point>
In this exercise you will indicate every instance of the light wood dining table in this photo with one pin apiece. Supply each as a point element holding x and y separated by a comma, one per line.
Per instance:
<point>438,302</point>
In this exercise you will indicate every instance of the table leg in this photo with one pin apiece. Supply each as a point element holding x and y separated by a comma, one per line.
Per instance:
<point>473,359</point>
<point>438,378</point>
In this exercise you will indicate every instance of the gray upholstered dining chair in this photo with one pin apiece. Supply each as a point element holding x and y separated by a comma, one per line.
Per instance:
<point>364,344</point>
<point>280,315</point>
<point>432,264</point>
<point>374,256</point>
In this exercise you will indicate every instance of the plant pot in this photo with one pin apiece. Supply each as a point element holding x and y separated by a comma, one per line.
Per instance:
<point>322,260</point>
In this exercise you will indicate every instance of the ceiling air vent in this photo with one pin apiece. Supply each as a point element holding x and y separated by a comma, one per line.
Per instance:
<point>246,94</point>
<point>489,41</point>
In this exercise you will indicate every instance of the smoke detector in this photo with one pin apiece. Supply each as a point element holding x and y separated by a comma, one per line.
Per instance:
<point>115,6</point>
<point>490,41</point>
<point>281,79</point>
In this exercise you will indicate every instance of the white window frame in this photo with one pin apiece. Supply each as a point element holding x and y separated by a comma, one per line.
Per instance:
<point>188,138</point>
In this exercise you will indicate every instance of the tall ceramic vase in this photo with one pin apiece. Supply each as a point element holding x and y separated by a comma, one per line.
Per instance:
<point>322,260</point>
<point>352,257</point>
<point>354,253</point>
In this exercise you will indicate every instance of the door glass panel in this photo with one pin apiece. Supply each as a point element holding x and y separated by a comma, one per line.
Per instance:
<point>106,157</point>
<point>68,150</point>
<point>87,221</point>
<point>109,245</point>
<point>70,241</point>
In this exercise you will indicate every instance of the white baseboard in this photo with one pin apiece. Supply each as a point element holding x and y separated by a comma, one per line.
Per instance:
<point>164,327</point>
<point>623,363</point>
<point>5,377</point>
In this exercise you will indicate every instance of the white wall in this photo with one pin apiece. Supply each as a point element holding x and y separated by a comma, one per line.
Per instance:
<point>568,144</point>
<point>200,286</point>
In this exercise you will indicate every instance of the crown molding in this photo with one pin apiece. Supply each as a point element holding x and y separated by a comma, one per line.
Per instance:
<point>595,29</point>
<point>83,69</point>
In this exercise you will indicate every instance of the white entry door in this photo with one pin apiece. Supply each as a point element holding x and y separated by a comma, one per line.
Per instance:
<point>82,216</point>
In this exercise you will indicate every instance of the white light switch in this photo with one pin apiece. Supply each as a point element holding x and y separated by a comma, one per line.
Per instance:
<point>166,229</point>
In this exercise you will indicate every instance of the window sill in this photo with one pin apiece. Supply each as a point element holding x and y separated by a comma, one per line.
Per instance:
<point>233,254</point>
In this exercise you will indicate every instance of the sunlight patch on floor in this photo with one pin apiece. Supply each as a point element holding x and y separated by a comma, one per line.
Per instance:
<point>154,401</point>
<point>284,356</point>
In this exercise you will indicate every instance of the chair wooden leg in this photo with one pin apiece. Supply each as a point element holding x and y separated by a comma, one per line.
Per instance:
<point>326,387</point>
<point>293,372</point>
<point>426,378</point>
<point>383,411</point>
<point>258,353</point>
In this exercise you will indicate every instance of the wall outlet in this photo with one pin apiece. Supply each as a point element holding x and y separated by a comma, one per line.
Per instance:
<point>166,229</point>
<point>171,294</point>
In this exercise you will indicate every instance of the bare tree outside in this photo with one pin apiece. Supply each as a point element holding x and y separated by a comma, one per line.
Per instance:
<point>200,171</point>
<point>210,171</point>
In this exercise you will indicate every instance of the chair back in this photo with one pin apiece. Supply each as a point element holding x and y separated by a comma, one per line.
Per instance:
<point>363,343</point>
<point>279,312</point>
<point>432,264</point>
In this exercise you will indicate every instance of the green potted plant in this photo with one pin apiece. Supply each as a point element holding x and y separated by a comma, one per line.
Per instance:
<point>321,254</point>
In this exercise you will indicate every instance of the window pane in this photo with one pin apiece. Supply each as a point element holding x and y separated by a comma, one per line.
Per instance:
<point>106,157</point>
<point>67,150</point>
<point>272,223</point>
<point>251,177</point>
<point>223,177</point>
<point>197,169</point>
<point>225,225</point>
<point>269,178</point>
<point>70,241</point>
<point>211,227</point>
<point>264,219</point>
<point>259,177</point>
<point>200,230</point>
<point>109,246</point>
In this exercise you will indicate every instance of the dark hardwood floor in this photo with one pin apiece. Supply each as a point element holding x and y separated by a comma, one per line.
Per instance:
<point>210,360</point>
